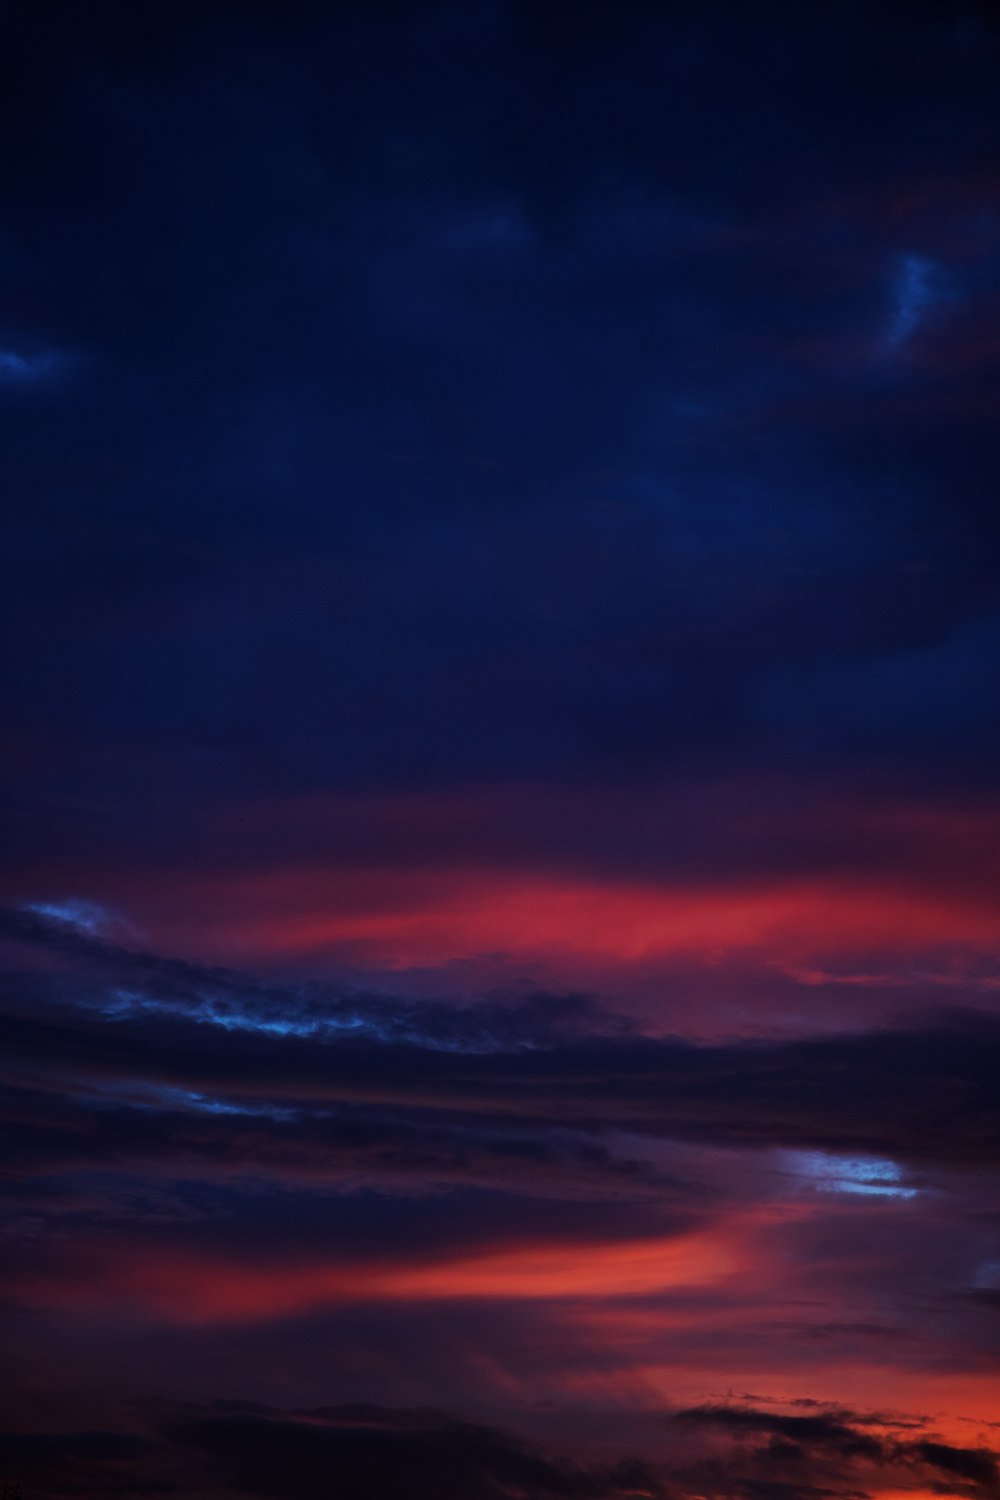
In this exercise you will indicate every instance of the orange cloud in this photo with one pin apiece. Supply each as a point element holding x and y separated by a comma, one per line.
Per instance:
<point>185,1288</point>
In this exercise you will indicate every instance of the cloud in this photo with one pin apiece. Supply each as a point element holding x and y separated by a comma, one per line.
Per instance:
<point>58,1464</point>
<point>484,543</point>
<point>988,1297</point>
<point>840,1444</point>
<point>913,293</point>
<point>546,572</point>
<point>976,1465</point>
<point>370,1454</point>
<point>181,1040</point>
<point>365,1451</point>
<point>86,916</point>
<point>171,1161</point>
<point>23,371</point>
<point>826,1431</point>
<point>358,1451</point>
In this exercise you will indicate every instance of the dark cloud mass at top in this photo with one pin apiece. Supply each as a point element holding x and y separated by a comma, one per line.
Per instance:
<point>499,601</point>
<point>411,359</point>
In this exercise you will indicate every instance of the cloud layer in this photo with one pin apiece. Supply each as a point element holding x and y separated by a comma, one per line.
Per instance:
<point>499,986</point>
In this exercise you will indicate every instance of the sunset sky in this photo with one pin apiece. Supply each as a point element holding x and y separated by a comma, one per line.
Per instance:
<point>500,925</point>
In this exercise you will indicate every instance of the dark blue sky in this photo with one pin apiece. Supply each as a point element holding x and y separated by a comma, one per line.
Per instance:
<point>403,395</point>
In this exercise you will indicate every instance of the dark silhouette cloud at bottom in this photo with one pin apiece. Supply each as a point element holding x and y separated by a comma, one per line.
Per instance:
<point>363,1451</point>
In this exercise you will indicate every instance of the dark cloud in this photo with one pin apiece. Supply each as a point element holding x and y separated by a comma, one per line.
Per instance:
<point>61,1464</point>
<point>365,1451</point>
<point>362,1452</point>
<point>924,1091</point>
<point>368,1454</point>
<point>988,1297</point>
<point>840,1436</point>
<point>820,1431</point>
<point>216,1067</point>
<point>170,987</point>
<point>541,383</point>
<point>396,1149</point>
<point>24,1447</point>
<point>975,1465</point>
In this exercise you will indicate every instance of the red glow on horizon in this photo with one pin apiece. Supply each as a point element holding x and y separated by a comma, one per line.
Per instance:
<point>399,920</point>
<point>408,881</point>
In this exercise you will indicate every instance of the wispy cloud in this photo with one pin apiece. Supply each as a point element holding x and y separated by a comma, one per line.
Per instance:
<point>914,291</point>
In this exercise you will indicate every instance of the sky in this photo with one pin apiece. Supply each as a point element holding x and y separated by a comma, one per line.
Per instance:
<point>500,937</point>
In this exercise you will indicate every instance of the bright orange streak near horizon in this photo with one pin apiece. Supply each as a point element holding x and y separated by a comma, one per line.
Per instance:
<point>187,1289</point>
